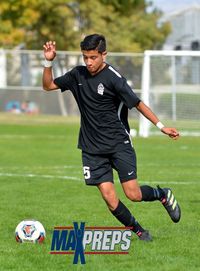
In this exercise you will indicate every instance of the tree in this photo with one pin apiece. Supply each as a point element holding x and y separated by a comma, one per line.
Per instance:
<point>32,22</point>
<point>126,23</point>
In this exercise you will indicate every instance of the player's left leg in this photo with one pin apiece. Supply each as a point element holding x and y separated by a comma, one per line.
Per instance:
<point>147,193</point>
<point>125,164</point>
<point>135,192</point>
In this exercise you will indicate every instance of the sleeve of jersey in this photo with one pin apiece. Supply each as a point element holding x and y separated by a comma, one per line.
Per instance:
<point>125,92</point>
<point>66,81</point>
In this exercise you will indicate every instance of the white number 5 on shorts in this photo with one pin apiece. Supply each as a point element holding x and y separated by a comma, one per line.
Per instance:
<point>86,172</point>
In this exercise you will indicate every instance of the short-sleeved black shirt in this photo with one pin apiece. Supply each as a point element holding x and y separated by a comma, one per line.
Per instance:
<point>103,101</point>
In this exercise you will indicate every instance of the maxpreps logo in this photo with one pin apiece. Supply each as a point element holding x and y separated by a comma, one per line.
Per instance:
<point>90,240</point>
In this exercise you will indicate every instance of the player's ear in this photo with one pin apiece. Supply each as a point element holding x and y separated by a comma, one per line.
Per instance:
<point>104,55</point>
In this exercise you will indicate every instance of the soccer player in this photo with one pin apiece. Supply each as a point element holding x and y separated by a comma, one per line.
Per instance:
<point>103,97</point>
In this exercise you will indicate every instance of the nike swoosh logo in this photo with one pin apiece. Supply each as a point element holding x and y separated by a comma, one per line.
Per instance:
<point>129,173</point>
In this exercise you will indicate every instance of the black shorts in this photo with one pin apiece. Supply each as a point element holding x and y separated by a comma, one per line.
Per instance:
<point>99,168</point>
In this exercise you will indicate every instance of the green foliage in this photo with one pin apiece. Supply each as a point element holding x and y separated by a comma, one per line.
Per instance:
<point>126,24</point>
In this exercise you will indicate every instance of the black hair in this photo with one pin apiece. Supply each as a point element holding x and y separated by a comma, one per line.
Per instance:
<point>94,42</point>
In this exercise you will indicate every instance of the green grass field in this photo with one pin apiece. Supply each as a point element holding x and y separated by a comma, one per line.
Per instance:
<point>41,177</point>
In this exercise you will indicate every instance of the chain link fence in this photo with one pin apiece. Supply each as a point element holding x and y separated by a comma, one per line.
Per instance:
<point>21,80</point>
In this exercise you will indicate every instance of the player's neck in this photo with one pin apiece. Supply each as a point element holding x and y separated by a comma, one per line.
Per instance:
<point>99,69</point>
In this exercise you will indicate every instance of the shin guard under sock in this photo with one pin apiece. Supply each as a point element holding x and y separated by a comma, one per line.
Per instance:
<point>123,214</point>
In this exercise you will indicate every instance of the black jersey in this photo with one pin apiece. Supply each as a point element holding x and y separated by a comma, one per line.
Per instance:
<point>103,100</point>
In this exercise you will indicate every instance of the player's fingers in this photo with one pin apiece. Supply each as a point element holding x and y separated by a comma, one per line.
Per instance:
<point>174,132</point>
<point>45,47</point>
<point>174,136</point>
<point>48,44</point>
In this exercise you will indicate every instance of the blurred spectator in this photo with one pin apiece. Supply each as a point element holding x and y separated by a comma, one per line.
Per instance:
<point>24,106</point>
<point>27,107</point>
<point>32,108</point>
<point>13,107</point>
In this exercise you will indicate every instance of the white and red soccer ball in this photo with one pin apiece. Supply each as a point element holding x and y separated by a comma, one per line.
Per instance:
<point>30,231</point>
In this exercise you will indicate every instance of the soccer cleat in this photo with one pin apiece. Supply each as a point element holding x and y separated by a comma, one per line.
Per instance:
<point>144,236</point>
<point>171,205</point>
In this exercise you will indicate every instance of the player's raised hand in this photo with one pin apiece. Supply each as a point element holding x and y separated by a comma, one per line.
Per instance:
<point>50,50</point>
<point>171,132</point>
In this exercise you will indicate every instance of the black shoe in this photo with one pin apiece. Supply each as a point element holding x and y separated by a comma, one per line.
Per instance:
<point>144,236</point>
<point>171,204</point>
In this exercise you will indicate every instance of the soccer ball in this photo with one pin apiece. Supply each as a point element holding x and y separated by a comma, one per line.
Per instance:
<point>30,231</point>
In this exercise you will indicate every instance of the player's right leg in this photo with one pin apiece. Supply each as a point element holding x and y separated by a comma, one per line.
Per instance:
<point>98,171</point>
<point>121,212</point>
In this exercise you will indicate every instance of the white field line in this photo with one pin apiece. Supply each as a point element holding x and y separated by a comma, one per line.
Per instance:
<point>39,167</point>
<point>183,133</point>
<point>20,136</point>
<point>13,136</point>
<point>4,168</point>
<point>30,175</point>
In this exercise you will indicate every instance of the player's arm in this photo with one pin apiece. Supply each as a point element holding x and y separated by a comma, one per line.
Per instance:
<point>146,112</point>
<point>49,54</point>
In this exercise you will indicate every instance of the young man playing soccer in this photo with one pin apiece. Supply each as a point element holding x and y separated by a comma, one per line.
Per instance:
<point>103,97</point>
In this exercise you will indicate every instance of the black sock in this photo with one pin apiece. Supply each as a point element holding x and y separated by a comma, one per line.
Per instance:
<point>150,194</point>
<point>123,214</point>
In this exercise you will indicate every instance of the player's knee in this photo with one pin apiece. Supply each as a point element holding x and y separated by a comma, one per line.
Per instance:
<point>111,200</point>
<point>134,195</point>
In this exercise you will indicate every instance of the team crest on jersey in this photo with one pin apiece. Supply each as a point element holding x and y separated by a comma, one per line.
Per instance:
<point>100,89</point>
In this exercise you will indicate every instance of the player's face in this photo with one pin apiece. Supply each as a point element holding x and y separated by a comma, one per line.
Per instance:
<point>94,61</point>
